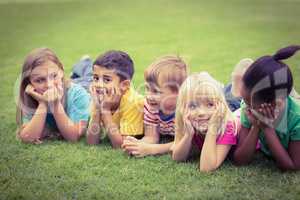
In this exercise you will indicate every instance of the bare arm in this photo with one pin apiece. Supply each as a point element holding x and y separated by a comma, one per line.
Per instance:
<point>33,130</point>
<point>212,155</point>
<point>151,134</point>
<point>93,131</point>
<point>70,131</point>
<point>285,160</point>
<point>113,131</point>
<point>246,147</point>
<point>182,147</point>
<point>148,145</point>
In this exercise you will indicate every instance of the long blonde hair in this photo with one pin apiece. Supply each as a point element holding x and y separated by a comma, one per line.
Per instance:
<point>25,103</point>
<point>189,89</point>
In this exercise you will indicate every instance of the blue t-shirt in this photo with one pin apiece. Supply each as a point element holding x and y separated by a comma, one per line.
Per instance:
<point>76,107</point>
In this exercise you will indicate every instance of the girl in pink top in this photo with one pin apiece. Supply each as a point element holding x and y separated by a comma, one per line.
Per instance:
<point>203,120</point>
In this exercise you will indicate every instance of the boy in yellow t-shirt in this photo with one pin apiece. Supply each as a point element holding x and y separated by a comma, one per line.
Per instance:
<point>116,106</point>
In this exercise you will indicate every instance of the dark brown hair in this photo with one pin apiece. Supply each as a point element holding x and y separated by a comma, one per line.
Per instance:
<point>269,78</point>
<point>118,61</point>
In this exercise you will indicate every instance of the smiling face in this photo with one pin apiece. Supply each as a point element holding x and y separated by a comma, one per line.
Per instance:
<point>201,105</point>
<point>200,111</point>
<point>46,76</point>
<point>161,97</point>
<point>105,80</point>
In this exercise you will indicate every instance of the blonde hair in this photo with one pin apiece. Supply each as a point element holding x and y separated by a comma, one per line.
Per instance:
<point>190,87</point>
<point>237,75</point>
<point>171,68</point>
<point>25,103</point>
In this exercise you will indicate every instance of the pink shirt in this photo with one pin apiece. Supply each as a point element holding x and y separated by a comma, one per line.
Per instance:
<point>228,138</point>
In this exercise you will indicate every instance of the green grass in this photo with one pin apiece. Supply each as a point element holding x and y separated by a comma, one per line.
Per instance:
<point>209,35</point>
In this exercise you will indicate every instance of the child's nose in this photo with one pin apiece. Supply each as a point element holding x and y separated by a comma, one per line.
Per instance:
<point>99,83</point>
<point>201,111</point>
<point>50,84</point>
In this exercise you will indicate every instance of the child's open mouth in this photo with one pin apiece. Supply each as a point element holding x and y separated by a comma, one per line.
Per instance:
<point>152,103</point>
<point>100,91</point>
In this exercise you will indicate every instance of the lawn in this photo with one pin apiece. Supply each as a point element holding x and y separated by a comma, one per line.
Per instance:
<point>210,35</point>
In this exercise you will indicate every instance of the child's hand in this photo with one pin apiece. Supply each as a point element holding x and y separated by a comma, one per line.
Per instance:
<point>110,98</point>
<point>251,117</point>
<point>97,98</point>
<point>33,93</point>
<point>216,119</point>
<point>267,115</point>
<point>187,125</point>
<point>135,147</point>
<point>53,95</point>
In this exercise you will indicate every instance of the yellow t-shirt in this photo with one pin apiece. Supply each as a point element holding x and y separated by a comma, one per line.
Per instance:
<point>129,116</point>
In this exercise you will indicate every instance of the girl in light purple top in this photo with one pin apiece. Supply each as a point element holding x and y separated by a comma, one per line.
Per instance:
<point>203,120</point>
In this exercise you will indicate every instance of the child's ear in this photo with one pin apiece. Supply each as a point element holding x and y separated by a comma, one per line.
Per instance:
<point>125,85</point>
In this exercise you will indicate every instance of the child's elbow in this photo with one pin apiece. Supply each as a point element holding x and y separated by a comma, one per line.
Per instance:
<point>293,167</point>
<point>26,138</point>
<point>207,168</point>
<point>177,158</point>
<point>239,161</point>
<point>74,138</point>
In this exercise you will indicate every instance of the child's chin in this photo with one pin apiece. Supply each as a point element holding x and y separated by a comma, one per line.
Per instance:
<point>201,129</point>
<point>39,91</point>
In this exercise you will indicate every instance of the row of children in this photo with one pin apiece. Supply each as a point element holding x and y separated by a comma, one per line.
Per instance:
<point>180,113</point>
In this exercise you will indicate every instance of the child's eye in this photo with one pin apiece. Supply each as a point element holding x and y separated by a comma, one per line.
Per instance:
<point>210,104</point>
<point>106,79</point>
<point>156,92</point>
<point>40,80</point>
<point>192,106</point>
<point>53,76</point>
<point>95,78</point>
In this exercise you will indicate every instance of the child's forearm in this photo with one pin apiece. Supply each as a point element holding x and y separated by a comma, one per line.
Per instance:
<point>94,129</point>
<point>69,130</point>
<point>113,132</point>
<point>279,153</point>
<point>182,149</point>
<point>34,129</point>
<point>208,157</point>
<point>247,145</point>
<point>151,135</point>
<point>156,149</point>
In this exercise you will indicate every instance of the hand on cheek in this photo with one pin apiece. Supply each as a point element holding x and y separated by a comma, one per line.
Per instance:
<point>53,95</point>
<point>216,119</point>
<point>187,124</point>
<point>267,115</point>
<point>252,118</point>
<point>37,95</point>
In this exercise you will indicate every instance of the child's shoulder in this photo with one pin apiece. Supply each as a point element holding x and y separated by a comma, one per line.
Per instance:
<point>132,98</point>
<point>293,111</point>
<point>76,91</point>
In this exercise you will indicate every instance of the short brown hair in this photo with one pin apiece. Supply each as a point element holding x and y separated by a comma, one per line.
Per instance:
<point>171,67</point>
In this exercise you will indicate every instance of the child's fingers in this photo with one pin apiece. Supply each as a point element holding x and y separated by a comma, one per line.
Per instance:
<point>132,148</point>
<point>132,139</point>
<point>29,89</point>
<point>268,108</point>
<point>267,111</point>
